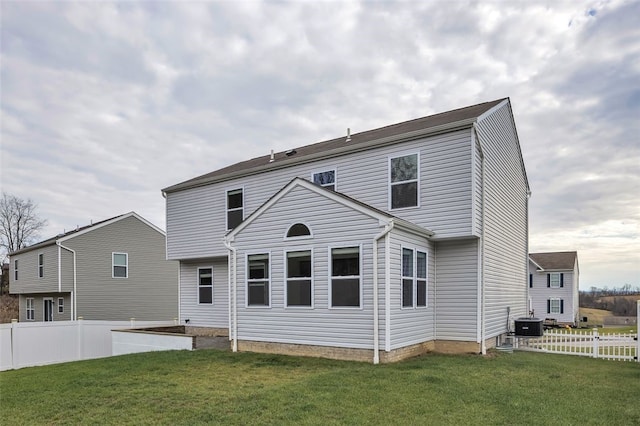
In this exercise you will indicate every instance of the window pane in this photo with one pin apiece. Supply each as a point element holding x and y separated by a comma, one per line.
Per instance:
<point>120,259</point>
<point>407,262</point>
<point>298,230</point>
<point>407,292</point>
<point>345,292</point>
<point>258,267</point>
<point>422,293</point>
<point>299,264</point>
<point>234,218</point>
<point>345,262</point>
<point>205,294</point>
<point>299,293</point>
<point>259,293</point>
<point>421,264</point>
<point>324,178</point>
<point>234,199</point>
<point>404,168</point>
<point>404,195</point>
<point>205,276</point>
<point>120,271</point>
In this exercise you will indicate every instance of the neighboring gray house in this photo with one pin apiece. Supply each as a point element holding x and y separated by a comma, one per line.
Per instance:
<point>115,269</point>
<point>375,246</point>
<point>554,286</point>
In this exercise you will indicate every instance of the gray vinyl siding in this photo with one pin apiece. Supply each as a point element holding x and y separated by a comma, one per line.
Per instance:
<point>540,293</point>
<point>477,190</point>
<point>151,290</point>
<point>410,325</point>
<point>457,290</point>
<point>28,279</point>
<point>332,224</point>
<point>196,217</point>
<point>505,222</point>
<point>215,314</point>
<point>38,305</point>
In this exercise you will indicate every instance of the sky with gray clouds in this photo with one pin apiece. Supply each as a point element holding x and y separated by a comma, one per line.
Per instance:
<point>104,103</point>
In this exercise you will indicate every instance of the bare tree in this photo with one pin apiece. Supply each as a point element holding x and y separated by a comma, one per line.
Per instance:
<point>19,224</point>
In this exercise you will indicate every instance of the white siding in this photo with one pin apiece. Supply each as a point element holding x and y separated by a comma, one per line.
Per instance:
<point>457,290</point>
<point>196,217</point>
<point>410,325</point>
<point>204,315</point>
<point>505,222</point>
<point>540,293</point>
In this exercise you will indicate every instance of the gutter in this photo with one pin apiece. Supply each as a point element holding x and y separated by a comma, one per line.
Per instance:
<point>233,277</point>
<point>75,279</point>
<point>376,308</point>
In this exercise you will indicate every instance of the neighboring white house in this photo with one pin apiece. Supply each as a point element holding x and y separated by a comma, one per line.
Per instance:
<point>374,246</point>
<point>115,269</point>
<point>554,286</point>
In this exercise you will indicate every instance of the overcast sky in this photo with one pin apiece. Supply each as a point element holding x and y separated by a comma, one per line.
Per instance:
<point>103,104</point>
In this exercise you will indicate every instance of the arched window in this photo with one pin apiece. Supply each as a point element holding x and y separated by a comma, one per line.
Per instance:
<point>298,230</point>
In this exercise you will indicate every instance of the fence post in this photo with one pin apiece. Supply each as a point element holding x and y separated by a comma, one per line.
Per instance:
<point>14,349</point>
<point>80,326</point>
<point>638,333</point>
<point>595,343</point>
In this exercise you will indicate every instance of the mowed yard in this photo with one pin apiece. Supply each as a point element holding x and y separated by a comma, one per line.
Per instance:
<point>215,387</point>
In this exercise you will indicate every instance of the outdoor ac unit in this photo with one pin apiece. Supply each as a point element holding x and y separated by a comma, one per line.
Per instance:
<point>529,327</point>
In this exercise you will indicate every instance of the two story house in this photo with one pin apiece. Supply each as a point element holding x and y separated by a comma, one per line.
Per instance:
<point>374,246</point>
<point>115,269</point>
<point>554,286</point>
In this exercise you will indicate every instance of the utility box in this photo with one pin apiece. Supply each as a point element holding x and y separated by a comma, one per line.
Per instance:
<point>529,327</point>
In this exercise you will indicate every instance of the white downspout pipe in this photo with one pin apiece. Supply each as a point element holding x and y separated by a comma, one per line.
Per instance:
<point>483,344</point>
<point>376,308</point>
<point>233,289</point>
<point>74,299</point>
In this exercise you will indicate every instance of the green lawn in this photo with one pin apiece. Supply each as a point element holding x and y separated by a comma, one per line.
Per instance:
<point>212,387</point>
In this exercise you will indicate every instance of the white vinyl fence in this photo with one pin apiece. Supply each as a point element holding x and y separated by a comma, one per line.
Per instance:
<point>27,344</point>
<point>591,343</point>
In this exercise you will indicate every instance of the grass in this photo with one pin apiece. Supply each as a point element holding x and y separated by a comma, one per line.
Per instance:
<point>595,316</point>
<point>213,387</point>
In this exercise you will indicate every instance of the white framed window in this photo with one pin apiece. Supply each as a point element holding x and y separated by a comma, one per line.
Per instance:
<point>326,179</point>
<point>40,265</point>
<point>555,306</point>
<point>205,286</point>
<point>60,305</point>
<point>345,289</point>
<point>404,181</point>
<point>235,207</point>
<point>299,282</point>
<point>414,278</point>
<point>15,270</point>
<point>298,231</point>
<point>120,265</point>
<point>555,280</point>
<point>31,312</point>
<point>258,280</point>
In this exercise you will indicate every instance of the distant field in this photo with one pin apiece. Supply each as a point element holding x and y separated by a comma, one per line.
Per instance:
<point>633,297</point>
<point>595,316</point>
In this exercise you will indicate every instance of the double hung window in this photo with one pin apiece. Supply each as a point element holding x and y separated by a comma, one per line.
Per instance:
<point>555,306</point>
<point>403,181</point>
<point>555,280</point>
<point>235,208</point>
<point>345,277</point>
<point>120,265</point>
<point>205,286</point>
<point>31,312</point>
<point>40,265</point>
<point>60,305</point>
<point>414,278</point>
<point>258,280</point>
<point>15,270</point>
<point>299,278</point>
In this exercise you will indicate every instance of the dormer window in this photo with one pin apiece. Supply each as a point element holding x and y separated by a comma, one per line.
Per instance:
<point>298,230</point>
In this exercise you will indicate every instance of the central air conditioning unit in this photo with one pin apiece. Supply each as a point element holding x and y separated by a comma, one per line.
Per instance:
<point>529,327</point>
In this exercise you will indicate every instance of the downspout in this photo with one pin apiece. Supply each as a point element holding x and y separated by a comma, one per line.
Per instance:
<point>233,289</point>
<point>75,279</point>
<point>376,309</point>
<point>483,344</point>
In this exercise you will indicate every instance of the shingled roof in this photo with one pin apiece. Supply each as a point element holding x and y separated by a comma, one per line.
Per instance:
<point>564,260</point>
<point>338,146</point>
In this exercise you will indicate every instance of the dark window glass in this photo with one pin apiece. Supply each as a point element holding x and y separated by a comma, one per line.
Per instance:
<point>421,282</point>
<point>407,292</point>
<point>235,211</point>
<point>326,179</point>
<point>205,285</point>
<point>120,271</point>
<point>234,218</point>
<point>299,293</point>
<point>345,292</point>
<point>345,262</point>
<point>404,168</point>
<point>299,278</point>
<point>234,199</point>
<point>259,293</point>
<point>404,195</point>
<point>298,230</point>
<point>258,283</point>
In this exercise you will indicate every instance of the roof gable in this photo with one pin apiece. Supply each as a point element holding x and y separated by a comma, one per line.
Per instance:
<point>358,142</point>
<point>383,217</point>
<point>554,261</point>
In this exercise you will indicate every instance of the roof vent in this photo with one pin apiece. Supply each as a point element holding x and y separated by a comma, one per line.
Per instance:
<point>290,152</point>
<point>348,135</point>
<point>272,158</point>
